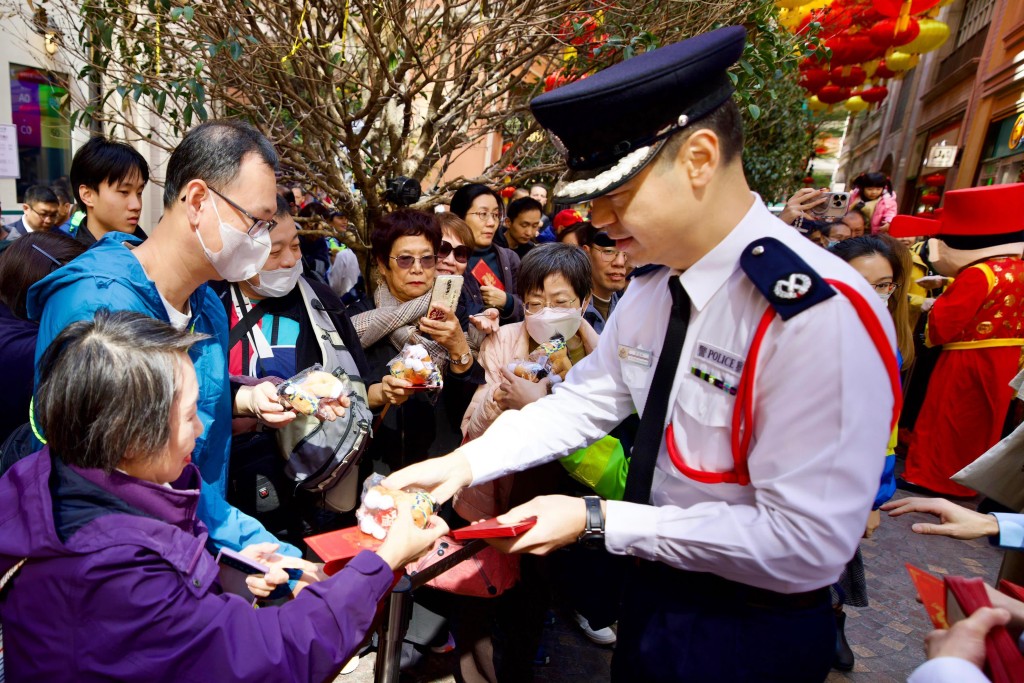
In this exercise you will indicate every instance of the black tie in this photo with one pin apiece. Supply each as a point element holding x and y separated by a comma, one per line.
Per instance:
<point>652,425</point>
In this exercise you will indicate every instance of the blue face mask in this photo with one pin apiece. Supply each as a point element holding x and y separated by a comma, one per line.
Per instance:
<point>832,243</point>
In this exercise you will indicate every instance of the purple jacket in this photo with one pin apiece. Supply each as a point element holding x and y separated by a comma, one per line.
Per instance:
<point>119,586</point>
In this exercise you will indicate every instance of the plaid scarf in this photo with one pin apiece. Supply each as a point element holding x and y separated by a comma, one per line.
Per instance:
<point>398,321</point>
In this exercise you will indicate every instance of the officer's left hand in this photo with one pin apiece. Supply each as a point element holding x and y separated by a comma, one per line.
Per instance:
<point>560,520</point>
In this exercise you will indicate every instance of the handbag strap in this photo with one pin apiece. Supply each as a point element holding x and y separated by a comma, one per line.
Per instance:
<point>248,319</point>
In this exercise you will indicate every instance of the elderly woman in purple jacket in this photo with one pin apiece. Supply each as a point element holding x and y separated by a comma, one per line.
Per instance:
<point>115,581</point>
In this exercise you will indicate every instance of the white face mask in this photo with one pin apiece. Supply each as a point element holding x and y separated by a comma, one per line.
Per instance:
<point>240,256</point>
<point>548,322</point>
<point>277,283</point>
<point>884,296</point>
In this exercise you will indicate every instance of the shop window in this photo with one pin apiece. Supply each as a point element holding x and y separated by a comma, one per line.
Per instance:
<point>44,134</point>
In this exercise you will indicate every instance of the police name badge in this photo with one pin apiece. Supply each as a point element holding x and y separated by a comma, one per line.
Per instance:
<point>719,357</point>
<point>635,356</point>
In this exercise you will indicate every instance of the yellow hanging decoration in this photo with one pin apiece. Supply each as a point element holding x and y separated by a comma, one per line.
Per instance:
<point>298,34</point>
<point>933,34</point>
<point>855,104</point>
<point>814,104</point>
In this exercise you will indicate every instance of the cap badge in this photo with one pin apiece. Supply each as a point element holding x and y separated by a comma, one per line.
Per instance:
<point>794,287</point>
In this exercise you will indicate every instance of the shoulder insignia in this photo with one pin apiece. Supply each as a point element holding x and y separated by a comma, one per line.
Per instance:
<point>790,285</point>
<point>643,271</point>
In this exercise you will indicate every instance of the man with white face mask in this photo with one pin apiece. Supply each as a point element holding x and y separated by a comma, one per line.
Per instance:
<point>219,205</point>
<point>977,322</point>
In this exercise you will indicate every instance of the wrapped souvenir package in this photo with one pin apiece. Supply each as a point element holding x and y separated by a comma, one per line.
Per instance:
<point>550,360</point>
<point>415,365</point>
<point>310,391</point>
<point>380,507</point>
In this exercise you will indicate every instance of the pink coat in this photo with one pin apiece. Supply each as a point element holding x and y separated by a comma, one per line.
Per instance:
<point>509,343</point>
<point>885,210</point>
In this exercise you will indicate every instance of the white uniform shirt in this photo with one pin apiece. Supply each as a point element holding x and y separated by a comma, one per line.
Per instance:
<point>822,412</point>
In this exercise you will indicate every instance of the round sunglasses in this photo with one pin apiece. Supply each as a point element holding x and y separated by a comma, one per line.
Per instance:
<point>460,252</point>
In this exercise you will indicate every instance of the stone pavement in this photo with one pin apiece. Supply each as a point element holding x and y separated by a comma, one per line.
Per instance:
<point>887,636</point>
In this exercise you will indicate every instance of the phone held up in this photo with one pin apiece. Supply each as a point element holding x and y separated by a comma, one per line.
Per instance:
<point>446,292</point>
<point>834,207</point>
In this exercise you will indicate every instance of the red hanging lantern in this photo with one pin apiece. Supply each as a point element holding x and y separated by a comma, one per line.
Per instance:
<point>883,72</point>
<point>809,180</point>
<point>813,80</point>
<point>886,33</point>
<point>852,49</point>
<point>892,8</point>
<point>874,95</point>
<point>925,213</point>
<point>930,199</point>
<point>935,180</point>
<point>833,94</point>
<point>507,192</point>
<point>848,76</point>
<point>578,29</point>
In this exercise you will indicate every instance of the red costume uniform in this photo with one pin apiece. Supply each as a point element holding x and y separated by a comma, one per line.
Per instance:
<point>979,324</point>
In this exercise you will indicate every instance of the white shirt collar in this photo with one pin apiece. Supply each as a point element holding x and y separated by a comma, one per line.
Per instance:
<point>705,277</point>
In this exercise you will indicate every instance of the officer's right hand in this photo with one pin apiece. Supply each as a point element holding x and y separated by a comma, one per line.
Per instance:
<point>442,477</point>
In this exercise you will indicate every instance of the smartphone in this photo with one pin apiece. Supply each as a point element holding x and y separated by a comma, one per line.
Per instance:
<point>234,567</point>
<point>836,205</point>
<point>446,292</point>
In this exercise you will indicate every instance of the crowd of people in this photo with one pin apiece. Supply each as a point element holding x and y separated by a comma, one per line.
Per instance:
<point>142,432</point>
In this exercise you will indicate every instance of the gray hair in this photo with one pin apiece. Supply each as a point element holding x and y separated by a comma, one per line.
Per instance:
<point>567,260</point>
<point>214,152</point>
<point>107,387</point>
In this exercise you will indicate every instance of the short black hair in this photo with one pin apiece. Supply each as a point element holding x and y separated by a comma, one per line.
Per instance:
<point>283,208</point>
<point>62,188</point>
<point>523,204</point>
<point>403,223</point>
<point>464,197</point>
<point>214,152</point>
<point>724,120</point>
<point>39,194</point>
<point>105,161</point>
<point>28,260</point>
<point>93,370</point>
<point>547,259</point>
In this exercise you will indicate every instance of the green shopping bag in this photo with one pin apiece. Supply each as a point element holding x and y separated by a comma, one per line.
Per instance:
<point>602,466</point>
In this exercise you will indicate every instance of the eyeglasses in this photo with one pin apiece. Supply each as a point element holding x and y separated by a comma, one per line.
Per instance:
<point>258,224</point>
<point>405,261</point>
<point>534,307</point>
<point>609,254</point>
<point>45,215</point>
<point>885,287</point>
<point>484,215</point>
<point>460,252</point>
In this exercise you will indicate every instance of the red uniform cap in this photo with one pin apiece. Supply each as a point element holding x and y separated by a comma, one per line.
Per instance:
<point>975,211</point>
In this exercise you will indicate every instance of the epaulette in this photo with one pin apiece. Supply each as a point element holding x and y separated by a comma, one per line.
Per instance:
<point>642,271</point>
<point>785,279</point>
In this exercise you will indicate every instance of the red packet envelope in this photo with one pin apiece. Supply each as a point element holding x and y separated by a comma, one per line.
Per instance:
<point>336,548</point>
<point>932,592</point>
<point>485,276</point>
<point>1013,590</point>
<point>491,529</point>
<point>1003,660</point>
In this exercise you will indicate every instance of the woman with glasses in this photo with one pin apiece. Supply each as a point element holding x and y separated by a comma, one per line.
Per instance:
<point>496,267</point>
<point>556,283</point>
<point>404,246</point>
<point>453,259</point>
<point>885,264</point>
<point>27,261</point>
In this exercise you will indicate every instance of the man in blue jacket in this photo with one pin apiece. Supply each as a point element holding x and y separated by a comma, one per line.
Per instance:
<point>219,203</point>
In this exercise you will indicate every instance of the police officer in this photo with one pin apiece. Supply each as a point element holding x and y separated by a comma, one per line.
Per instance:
<point>762,368</point>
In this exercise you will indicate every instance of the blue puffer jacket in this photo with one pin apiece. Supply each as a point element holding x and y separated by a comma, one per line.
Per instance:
<point>109,276</point>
